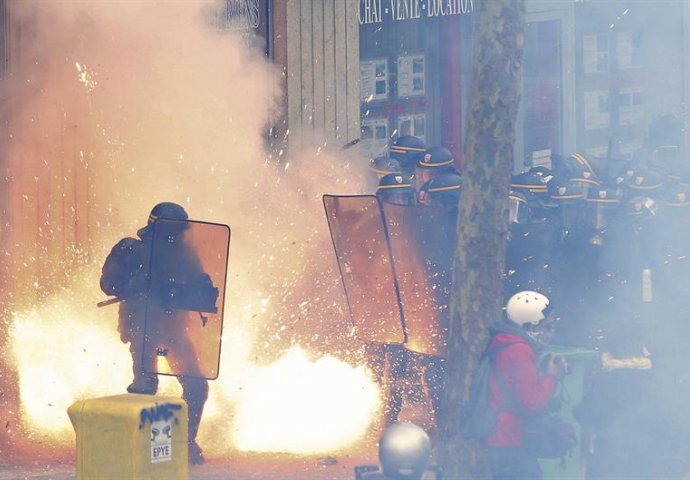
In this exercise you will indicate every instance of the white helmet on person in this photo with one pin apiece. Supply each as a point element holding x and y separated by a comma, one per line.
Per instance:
<point>528,307</point>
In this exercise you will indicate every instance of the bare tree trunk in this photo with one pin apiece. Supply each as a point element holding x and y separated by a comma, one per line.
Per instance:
<point>477,296</point>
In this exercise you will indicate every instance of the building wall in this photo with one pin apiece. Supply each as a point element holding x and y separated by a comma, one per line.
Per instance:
<point>316,42</point>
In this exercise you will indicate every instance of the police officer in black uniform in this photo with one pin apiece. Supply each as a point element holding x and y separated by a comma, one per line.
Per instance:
<point>125,275</point>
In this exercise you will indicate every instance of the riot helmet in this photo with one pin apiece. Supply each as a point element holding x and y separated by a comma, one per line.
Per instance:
<point>407,150</point>
<point>674,203</point>
<point>443,190</point>
<point>384,165</point>
<point>675,196</point>
<point>529,183</point>
<point>644,182</point>
<point>396,188</point>
<point>436,160</point>
<point>583,167</point>
<point>166,211</point>
<point>404,451</point>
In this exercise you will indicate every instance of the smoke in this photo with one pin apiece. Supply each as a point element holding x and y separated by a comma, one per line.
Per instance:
<point>113,107</point>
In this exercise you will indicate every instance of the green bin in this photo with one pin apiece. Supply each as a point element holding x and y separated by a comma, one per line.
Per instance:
<point>570,390</point>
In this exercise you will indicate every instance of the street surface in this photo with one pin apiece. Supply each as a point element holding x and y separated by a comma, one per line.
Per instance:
<point>250,467</point>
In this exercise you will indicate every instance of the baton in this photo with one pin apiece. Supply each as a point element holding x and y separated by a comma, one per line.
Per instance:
<point>350,144</point>
<point>110,301</point>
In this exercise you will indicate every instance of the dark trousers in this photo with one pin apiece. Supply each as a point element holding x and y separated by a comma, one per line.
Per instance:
<point>510,463</point>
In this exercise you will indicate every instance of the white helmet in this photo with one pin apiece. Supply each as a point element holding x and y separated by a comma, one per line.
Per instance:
<point>404,451</point>
<point>527,307</point>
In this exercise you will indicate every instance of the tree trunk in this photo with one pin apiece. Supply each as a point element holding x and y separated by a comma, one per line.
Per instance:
<point>477,296</point>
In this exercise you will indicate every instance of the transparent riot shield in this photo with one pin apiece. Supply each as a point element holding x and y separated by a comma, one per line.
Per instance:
<point>422,241</point>
<point>364,259</point>
<point>184,307</point>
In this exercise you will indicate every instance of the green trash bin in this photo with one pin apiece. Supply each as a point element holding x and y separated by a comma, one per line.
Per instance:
<point>570,391</point>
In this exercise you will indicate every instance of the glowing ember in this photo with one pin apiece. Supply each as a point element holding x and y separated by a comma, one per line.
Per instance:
<point>86,77</point>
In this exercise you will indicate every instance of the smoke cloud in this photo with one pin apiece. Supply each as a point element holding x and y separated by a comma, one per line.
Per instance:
<point>112,107</point>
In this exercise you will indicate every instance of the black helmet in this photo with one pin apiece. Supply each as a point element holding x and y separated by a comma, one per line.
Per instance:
<point>384,165</point>
<point>645,181</point>
<point>164,210</point>
<point>529,183</point>
<point>436,158</point>
<point>435,161</point>
<point>396,188</point>
<point>675,196</point>
<point>443,189</point>
<point>404,451</point>
<point>407,150</point>
<point>583,167</point>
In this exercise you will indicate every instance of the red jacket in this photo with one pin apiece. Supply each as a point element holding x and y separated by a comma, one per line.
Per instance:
<point>517,364</point>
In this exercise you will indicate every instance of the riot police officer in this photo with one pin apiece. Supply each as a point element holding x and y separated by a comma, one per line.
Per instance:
<point>126,275</point>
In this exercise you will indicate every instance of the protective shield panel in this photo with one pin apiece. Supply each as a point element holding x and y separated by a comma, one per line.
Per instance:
<point>366,269</point>
<point>422,241</point>
<point>184,307</point>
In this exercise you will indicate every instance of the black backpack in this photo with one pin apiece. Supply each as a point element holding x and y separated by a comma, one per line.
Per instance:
<point>477,419</point>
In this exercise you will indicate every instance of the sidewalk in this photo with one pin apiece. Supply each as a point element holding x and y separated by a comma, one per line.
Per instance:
<point>249,467</point>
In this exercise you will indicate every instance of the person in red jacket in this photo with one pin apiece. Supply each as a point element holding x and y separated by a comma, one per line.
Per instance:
<point>517,386</point>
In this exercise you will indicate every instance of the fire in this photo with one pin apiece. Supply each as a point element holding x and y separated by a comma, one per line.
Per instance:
<point>64,350</point>
<point>296,405</point>
<point>67,349</point>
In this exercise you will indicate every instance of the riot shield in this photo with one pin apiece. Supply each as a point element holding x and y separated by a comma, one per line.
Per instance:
<point>422,241</point>
<point>366,270</point>
<point>184,305</point>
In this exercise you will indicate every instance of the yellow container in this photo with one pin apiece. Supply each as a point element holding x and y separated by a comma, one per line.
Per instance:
<point>131,437</point>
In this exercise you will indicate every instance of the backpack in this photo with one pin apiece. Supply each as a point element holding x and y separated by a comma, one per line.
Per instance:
<point>476,417</point>
<point>124,272</point>
<point>545,436</point>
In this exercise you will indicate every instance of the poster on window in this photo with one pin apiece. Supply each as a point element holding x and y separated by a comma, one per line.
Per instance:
<point>373,80</point>
<point>411,75</point>
<point>374,135</point>
<point>597,112</point>
<point>414,125</point>
<point>595,53</point>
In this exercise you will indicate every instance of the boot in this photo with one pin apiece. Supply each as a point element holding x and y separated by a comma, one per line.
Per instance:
<point>194,393</point>
<point>196,456</point>
<point>144,383</point>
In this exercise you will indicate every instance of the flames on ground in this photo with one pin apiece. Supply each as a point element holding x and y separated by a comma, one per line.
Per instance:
<point>109,114</point>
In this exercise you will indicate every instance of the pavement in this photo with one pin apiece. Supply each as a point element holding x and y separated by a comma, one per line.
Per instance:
<point>243,467</point>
